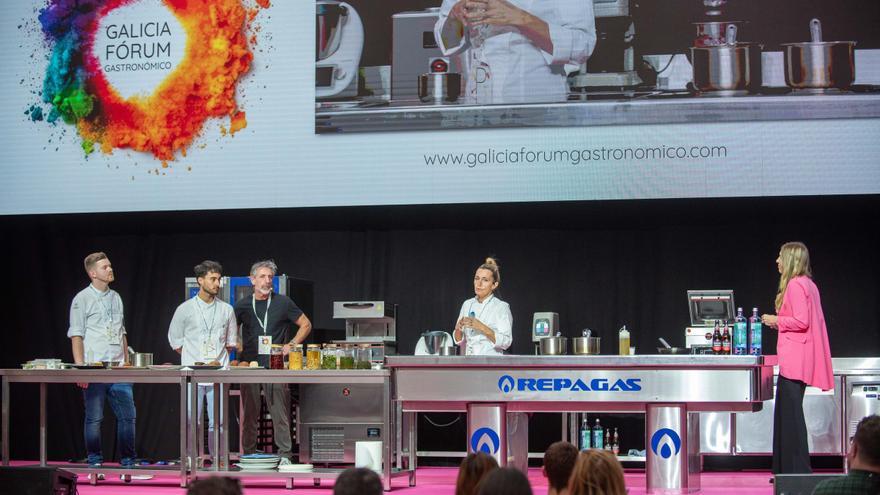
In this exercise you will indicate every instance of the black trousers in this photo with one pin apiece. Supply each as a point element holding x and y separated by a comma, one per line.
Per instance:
<point>791,455</point>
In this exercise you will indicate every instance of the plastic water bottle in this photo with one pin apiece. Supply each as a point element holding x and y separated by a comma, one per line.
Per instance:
<point>598,435</point>
<point>585,433</point>
<point>755,333</point>
<point>740,333</point>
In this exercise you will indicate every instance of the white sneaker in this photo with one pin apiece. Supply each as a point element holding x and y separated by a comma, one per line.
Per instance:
<point>284,462</point>
<point>136,477</point>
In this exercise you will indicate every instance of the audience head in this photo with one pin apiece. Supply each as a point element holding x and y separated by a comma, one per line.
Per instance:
<point>596,472</point>
<point>505,481</point>
<point>215,485</point>
<point>358,481</point>
<point>865,450</point>
<point>473,469</point>
<point>559,461</point>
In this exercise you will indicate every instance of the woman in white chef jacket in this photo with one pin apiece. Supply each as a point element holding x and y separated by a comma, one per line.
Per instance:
<point>530,46</point>
<point>485,324</point>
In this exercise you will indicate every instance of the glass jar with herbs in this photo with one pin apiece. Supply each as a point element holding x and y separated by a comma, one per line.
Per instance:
<point>330,357</point>
<point>362,357</point>
<point>346,357</point>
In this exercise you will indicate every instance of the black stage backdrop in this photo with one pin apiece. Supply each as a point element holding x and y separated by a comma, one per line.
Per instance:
<point>598,264</point>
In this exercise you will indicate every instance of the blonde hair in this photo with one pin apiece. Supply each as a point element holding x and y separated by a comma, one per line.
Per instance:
<point>491,264</point>
<point>597,472</point>
<point>795,260</point>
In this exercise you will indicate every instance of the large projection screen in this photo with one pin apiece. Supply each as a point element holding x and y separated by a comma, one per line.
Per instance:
<point>140,105</point>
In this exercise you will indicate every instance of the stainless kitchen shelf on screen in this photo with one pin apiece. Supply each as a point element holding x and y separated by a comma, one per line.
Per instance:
<point>648,108</point>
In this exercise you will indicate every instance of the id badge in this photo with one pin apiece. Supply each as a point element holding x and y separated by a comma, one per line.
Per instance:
<point>265,347</point>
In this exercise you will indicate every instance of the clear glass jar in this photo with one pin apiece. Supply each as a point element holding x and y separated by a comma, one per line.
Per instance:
<point>276,357</point>
<point>330,357</point>
<point>362,358</point>
<point>295,358</point>
<point>346,357</point>
<point>313,357</point>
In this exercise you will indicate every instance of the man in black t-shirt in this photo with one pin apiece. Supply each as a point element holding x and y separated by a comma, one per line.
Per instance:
<point>266,319</point>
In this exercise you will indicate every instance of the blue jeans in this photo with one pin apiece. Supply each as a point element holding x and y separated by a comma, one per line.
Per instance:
<point>122,403</point>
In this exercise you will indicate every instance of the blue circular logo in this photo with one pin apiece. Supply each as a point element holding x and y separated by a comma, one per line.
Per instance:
<point>485,440</point>
<point>505,383</point>
<point>665,450</point>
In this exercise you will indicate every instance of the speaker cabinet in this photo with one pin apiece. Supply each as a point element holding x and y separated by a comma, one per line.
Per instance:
<point>34,480</point>
<point>799,484</point>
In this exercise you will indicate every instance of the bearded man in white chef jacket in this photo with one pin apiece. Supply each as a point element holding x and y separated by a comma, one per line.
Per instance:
<point>203,329</point>
<point>530,46</point>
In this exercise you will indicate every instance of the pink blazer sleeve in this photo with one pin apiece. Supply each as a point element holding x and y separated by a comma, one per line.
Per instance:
<point>798,301</point>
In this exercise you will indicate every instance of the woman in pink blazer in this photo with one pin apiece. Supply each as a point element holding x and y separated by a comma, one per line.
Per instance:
<point>804,356</point>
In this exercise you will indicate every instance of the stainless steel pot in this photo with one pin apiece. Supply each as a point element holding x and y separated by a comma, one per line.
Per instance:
<point>439,87</point>
<point>714,33</point>
<point>553,346</point>
<point>827,64</point>
<point>448,351</point>
<point>142,359</point>
<point>329,17</point>
<point>727,69</point>
<point>587,345</point>
<point>819,64</point>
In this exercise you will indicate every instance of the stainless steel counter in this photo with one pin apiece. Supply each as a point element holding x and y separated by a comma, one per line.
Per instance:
<point>649,109</point>
<point>668,389</point>
<point>569,362</point>
<point>45,377</point>
<point>220,378</point>
<point>574,383</point>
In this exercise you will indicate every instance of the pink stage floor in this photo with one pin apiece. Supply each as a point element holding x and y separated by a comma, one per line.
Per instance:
<point>430,481</point>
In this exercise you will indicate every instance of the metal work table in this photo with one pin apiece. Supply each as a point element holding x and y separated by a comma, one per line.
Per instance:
<point>648,109</point>
<point>225,377</point>
<point>119,375</point>
<point>668,389</point>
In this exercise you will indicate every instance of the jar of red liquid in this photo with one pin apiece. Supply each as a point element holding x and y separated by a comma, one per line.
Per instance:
<point>276,357</point>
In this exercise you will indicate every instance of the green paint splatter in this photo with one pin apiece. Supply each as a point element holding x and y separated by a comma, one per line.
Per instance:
<point>88,146</point>
<point>73,104</point>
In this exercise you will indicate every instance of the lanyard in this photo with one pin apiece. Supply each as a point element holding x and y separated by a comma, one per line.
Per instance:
<point>265,319</point>
<point>108,310</point>
<point>483,309</point>
<point>208,328</point>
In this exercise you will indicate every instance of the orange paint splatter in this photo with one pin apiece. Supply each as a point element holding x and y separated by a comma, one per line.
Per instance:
<point>238,122</point>
<point>202,86</point>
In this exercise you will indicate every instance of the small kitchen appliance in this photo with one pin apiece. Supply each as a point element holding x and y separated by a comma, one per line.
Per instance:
<point>339,41</point>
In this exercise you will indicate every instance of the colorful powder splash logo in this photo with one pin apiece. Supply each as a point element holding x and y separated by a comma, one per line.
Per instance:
<point>145,74</point>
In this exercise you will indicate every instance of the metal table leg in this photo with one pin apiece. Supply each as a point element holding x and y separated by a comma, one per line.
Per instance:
<point>5,421</point>
<point>183,432</point>
<point>223,450</point>
<point>43,456</point>
<point>413,442</point>
<point>194,428</point>
<point>387,435</point>
<point>218,397</point>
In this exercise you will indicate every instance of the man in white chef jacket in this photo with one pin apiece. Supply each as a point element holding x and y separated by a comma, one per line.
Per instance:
<point>528,46</point>
<point>97,333</point>
<point>203,330</point>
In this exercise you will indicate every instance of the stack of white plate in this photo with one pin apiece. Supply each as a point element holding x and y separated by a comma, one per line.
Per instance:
<point>296,468</point>
<point>259,462</point>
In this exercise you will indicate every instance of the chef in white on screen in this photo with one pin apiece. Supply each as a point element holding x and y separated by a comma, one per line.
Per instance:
<point>516,51</point>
